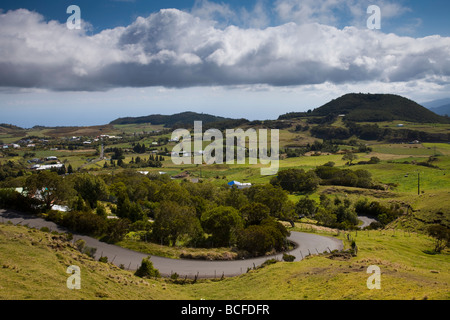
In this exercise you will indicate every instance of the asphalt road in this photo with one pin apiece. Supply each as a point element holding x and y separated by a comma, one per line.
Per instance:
<point>366,221</point>
<point>306,244</point>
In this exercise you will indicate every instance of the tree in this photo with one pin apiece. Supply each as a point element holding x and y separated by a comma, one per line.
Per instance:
<point>255,213</point>
<point>90,188</point>
<point>305,207</point>
<point>223,223</point>
<point>136,213</point>
<point>123,207</point>
<point>325,217</point>
<point>173,191</point>
<point>236,199</point>
<point>173,221</point>
<point>101,210</point>
<point>116,230</point>
<point>273,197</point>
<point>47,186</point>
<point>350,157</point>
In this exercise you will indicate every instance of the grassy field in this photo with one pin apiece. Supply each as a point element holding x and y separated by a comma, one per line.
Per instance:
<point>33,266</point>
<point>33,263</point>
<point>406,273</point>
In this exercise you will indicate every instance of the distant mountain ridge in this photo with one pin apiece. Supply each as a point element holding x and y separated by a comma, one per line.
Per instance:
<point>184,118</point>
<point>436,103</point>
<point>375,108</point>
<point>442,110</point>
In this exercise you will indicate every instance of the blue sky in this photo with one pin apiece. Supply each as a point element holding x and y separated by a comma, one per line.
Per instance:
<point>419,18</point>
<point>254,59</point>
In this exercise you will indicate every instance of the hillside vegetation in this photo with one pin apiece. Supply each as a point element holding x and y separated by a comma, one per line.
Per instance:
<point>375,108</point>
<point>170,120</point>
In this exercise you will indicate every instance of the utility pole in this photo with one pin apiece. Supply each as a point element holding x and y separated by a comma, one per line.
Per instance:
<point>418,183</point>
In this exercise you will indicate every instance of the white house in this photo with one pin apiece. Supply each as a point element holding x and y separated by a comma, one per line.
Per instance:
<point>40,167</point>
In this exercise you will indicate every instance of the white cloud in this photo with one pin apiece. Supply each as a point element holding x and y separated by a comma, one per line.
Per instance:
<point>172,48</point>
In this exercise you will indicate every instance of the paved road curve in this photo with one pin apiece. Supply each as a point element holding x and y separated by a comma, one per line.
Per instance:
<point>366,221</point>
<point>306,244</point>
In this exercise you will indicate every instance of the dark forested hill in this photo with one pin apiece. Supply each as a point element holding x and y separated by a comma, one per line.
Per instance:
<point>374,108</point>
<point>185,118</point>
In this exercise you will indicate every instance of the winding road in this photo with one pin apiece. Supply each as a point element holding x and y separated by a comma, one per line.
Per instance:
<point>306,244</point>
<point>366,221</point>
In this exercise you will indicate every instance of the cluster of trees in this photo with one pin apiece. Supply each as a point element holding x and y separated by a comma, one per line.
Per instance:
<point>331,146</point>
<point>330,132</point>
<point>374,132</point>
<point>297,180</point>
<point>160,209</point>
<point>200,216</point>
<point>11,169</point>
<point>139,148</point>
<point>383,214</point>
<point>343,214</point>
<point>301,181</point>
<point>330,175</point>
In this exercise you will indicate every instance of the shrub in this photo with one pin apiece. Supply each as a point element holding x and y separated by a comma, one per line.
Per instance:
<point>147,270</point>
<point>288,257</point>
<point>441,236</point>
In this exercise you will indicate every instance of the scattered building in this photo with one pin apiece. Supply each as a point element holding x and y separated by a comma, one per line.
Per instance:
<point>40,167</point>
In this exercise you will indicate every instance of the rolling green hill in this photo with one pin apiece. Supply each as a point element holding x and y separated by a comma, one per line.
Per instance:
<point>374,108</point>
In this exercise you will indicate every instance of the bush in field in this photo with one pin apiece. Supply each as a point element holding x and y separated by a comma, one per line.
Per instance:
<point>441,235</point>
<point>288,257</point>
<point>147,270</point>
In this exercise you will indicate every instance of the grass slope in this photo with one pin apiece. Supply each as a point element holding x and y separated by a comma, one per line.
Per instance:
<point>33,265</point>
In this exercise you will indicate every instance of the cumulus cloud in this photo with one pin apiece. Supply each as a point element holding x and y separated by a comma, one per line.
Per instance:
<point>172,48</point>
